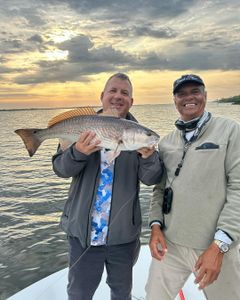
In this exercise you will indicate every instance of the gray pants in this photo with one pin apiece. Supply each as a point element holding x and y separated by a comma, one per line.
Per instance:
<point>168,276</point>
<point>86,269</point>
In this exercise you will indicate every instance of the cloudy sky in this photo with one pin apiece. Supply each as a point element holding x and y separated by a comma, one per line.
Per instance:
<point>60,52</point>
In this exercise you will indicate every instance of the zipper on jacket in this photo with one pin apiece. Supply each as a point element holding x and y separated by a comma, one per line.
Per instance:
<point>89,225</point>
<point>110,212</point>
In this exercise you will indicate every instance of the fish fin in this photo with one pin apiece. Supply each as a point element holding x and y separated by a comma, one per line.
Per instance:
<point>111,155</point>
<point>82,111</point>
<point>110,112</point>
<point>30,139</point>
<point>64,144</point>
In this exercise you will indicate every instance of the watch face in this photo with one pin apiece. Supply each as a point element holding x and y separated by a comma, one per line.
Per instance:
<point>224,248</point>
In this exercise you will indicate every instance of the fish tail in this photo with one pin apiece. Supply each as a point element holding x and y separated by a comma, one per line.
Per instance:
<point>30,139</point>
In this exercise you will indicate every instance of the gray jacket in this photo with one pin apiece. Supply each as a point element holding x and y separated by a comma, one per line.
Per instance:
<point>125,216</point>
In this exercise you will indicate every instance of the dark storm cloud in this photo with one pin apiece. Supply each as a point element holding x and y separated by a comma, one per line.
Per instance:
<point>4,70</point>
<point>36,38</point>
<point>125,22</point>
<point>81,49</point>
<point>78,48</point>
<point>147,30</point>
<point>114,9</point>
<point>85,59</point>
<point>7,70</point>
<point>212,51</point>
<point>35,42</point>
<point>10,45</point>
<point>28,11</point>
<point>63,72</point>
<point>165,33</point>
<point>198,59</point>
<point>212,40</point>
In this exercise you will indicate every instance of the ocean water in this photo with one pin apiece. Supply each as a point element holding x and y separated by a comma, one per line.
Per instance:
<point>32,197</point>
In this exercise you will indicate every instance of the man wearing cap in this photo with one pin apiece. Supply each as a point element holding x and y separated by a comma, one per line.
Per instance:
<point>195,210</point>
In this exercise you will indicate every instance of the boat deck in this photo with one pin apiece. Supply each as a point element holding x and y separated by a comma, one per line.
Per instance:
<point>53,287</point>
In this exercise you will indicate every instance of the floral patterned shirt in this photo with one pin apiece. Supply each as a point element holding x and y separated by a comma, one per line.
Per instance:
<point>102,205</point>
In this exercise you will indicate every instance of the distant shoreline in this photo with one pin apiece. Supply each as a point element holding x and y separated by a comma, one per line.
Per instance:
<point>233,100</point>
<point>40,108</point>
<point>74,107</point>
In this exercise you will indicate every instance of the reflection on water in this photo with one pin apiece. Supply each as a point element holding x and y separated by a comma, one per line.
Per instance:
<point>31,244</point>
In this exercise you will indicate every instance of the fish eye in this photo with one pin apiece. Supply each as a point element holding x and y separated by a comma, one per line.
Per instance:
<point>149,133</point>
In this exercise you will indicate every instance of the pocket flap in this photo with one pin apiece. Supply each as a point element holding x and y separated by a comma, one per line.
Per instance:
<point>206,146</point>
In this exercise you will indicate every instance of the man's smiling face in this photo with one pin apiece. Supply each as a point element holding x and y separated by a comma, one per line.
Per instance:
<point>118,95</point>
<point>190,101</point>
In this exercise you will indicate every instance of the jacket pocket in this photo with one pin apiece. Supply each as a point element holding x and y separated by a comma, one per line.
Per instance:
<point>207,146</point>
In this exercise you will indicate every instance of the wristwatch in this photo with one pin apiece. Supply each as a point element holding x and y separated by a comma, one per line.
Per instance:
<point>224,247</point>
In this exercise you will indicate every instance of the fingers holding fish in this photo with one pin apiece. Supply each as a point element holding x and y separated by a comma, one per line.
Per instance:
<point>87,143</point>
<point>86,137</point>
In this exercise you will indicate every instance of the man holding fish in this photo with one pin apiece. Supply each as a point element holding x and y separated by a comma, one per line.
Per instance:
<point>102,216</point>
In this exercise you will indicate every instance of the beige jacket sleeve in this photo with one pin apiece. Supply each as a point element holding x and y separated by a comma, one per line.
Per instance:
<point>230,215</point>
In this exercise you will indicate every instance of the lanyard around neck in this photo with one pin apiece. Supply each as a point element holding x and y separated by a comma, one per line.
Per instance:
<point>187,143</point>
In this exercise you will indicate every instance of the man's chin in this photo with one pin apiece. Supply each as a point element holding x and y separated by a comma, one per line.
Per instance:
<point>121,113</point>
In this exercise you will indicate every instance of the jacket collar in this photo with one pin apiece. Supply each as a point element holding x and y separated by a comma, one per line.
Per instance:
<point>128,117</point>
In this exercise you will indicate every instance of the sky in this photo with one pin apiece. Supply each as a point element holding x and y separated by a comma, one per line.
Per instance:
<point>59,53</point>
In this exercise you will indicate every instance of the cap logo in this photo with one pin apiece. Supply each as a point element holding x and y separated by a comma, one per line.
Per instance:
<point>187,78</point>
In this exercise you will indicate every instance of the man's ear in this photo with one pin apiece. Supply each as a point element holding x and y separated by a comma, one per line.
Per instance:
<point>101,97</point>
<point>205,95</point>
<point>131,101</point>
<point>174,100</point>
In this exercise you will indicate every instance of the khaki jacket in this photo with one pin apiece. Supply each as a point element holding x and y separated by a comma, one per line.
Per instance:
<point>206,194</point>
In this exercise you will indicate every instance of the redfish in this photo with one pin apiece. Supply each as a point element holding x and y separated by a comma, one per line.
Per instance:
<point>116,134</point>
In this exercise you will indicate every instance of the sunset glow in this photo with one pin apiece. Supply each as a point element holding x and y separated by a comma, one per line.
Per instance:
<point>52,61</point>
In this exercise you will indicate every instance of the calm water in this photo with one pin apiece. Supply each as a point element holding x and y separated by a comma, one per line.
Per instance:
<point>31,196</point>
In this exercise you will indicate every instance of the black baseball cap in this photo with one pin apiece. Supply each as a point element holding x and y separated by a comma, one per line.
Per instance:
<point>188,78</point>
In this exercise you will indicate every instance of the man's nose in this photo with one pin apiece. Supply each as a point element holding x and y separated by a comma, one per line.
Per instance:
<point>189,95</point>
<point>118,95</point>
